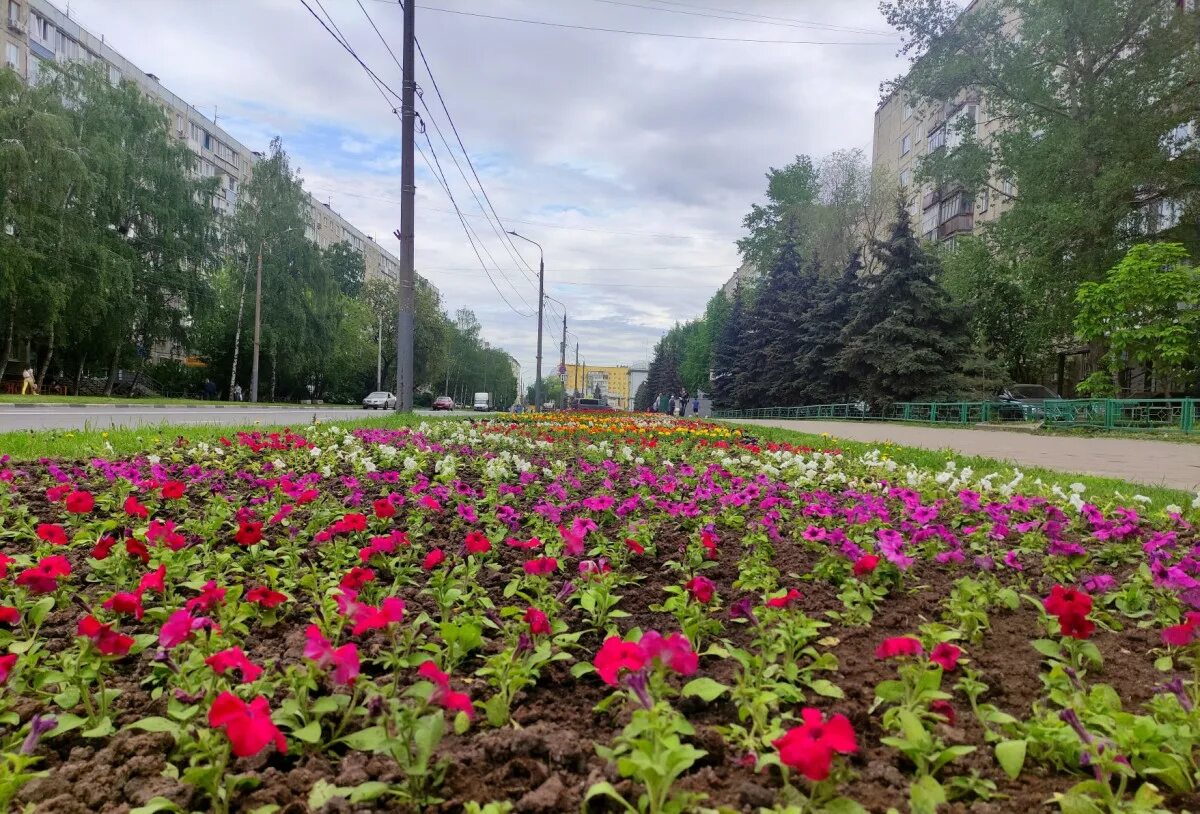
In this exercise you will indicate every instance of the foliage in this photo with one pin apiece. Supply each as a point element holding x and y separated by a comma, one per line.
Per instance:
<point>1146,310</point>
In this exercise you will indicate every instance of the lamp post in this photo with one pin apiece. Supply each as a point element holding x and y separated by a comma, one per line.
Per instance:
<point>258,319</point>
<point>537,383</point>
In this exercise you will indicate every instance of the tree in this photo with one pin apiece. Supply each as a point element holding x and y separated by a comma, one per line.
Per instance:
<point>905,340</point>
<point>1147,310</point>
<point>727,354</point>
<point>817,370</point>
<point>346,266</point>
<point>1088,141</point>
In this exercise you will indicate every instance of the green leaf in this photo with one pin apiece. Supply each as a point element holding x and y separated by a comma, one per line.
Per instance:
<point>706,689</point>
<point>582,668</point>
<point>925,795</point>
<point>40,610</point>
<point>826,688</point>
<point>155,723</point>
<point>310,733</point>
<point>155,805</point>
<point>1048,648</point>
<point>269,808</point>
<point>100,730</point>
<point>605,789</point>
<point>1011,757</point>
<point>842,805</point>
<point>322,793</point>
<point>371,739</point>
<point>1164,664</point>
<point>368,791</point>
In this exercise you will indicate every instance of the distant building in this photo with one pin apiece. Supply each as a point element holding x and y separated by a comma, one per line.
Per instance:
<point>612,380</point>
<point>745,275</point>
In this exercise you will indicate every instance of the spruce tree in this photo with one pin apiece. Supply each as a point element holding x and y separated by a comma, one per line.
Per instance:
<point>905,341</point>
<point>817,366</point>
<point>768,346</point>
<point>727,354</point>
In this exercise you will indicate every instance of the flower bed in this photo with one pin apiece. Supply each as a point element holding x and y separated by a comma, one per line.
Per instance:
<point>624,614</point>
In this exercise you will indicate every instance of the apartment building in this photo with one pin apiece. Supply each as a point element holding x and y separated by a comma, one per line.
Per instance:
<point>614,382</point>
<point>36,32</point>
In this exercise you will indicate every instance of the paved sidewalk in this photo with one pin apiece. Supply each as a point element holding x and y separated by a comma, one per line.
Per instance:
<point>1158,463</point>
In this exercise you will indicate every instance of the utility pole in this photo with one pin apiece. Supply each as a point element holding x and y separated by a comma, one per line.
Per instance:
<point>576,377</point>
<point>257,325</point>
<point>379,359</point>
<point>406,304</point>
<point>537,382</point>
<point>562,362</point>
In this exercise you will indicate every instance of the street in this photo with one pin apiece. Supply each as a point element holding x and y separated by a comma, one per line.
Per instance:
<point>107,416</point>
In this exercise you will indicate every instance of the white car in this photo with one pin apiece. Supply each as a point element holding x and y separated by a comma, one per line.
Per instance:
<point>379,400</point>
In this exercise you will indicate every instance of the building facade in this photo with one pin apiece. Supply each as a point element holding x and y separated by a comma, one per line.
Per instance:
<point>613,382</point>
<point>36,32</point>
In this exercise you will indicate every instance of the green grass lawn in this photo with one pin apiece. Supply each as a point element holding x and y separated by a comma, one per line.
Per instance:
<point>24,445</point>
<point>936,460</point>
<point>32,399</point>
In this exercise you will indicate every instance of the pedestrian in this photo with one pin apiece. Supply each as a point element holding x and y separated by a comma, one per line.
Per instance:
<point>237,392</point>
<point>28,382</point>
<point>672,406</point>
<point>210,389</point>
<point>696,405</point>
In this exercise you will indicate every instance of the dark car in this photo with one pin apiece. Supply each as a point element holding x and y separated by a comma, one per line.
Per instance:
<point>593,406</point>
<point>1025,401</point>
<point>443,403</point>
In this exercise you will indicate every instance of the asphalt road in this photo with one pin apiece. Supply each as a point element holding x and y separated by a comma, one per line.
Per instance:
<point>107,416</point>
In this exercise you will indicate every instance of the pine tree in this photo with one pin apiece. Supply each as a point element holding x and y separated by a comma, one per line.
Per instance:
<point>905,340</point>
<point>727,353</point>
<point>817,367</point>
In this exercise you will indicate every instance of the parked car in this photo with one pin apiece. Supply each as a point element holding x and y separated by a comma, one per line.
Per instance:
<point>443,403</point>
<point>1025,401</point>
<point>379,400</point>
<point>482,403</point>
<point>593,406</point>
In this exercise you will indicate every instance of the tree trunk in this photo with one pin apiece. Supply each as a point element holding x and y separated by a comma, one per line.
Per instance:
<point>79,374</point>
<point>237,334</point>
<point>274,367</point>
<point>112,371</point>
<point>8,342</point>
<point>46,362</point>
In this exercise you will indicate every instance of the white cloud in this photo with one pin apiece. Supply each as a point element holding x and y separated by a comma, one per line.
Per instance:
<point>627,140</point>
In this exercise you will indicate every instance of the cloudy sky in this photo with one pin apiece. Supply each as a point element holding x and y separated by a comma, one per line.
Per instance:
<point>630,158</point>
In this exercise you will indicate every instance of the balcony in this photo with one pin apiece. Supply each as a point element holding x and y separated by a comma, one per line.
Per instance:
<point>964,222</point>
<point>931,199</point>
<point>16,26</point>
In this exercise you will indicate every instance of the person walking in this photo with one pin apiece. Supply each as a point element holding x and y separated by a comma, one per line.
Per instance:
<point>237,392</point>
<point>28,382</point>
<point>696,405</point>
<point>672,405</point>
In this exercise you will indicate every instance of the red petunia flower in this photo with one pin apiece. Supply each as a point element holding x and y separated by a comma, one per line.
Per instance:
<point>433,559</point>
<point>134,508</point>
<point>634,546</point>
<point>80,502</point>
<point>179,627</point>
<point>173,489</point>
<point>1076,626</point>
<point>477,543</point>
<point>701,588</point>
<point>1063,600</point>
<point>103,547</point>
<point>368,617</point>
<point>106,640</point>
<point>265,597</point>
<point>249,532</point>
<point>210,597</point>
<point>248,726</point>
<point>615,655</point>
<point>539,623</point>
<point>153,581</point>
<point>946,656</point>
<point>136,548</point>
<point>865,564</point>
<point>343,660</point>
<point>899,647</point>
<point>784,601</point>
<point>430,672</point>
<point>43,578</point>
<point>126,604</point>
<point>5,561</point>
<point>56,493</point>
<point>541,566</point>
<point>527,545</point>
<point>163,532</point>
<point>674,651</point>
<point>809,748</point>
<point>1184,633</point>
<point>7,662</point>
<point>709,540</point>
<point>384,509</point>
<point>234,658</point>
<point>943,708</point>
<point>442,694</point>
<point>52,533</point>
<point>356,578</point>
<point>9,615</point>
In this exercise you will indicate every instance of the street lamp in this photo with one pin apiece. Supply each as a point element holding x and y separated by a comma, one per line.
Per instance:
<point>537,383</point>
<point>258,318</point>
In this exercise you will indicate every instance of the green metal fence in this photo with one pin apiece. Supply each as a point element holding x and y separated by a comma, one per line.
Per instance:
<point>1108,414</point>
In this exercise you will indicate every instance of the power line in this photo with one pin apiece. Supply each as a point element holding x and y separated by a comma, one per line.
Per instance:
<point>667,35</point>
<point>782,22</point>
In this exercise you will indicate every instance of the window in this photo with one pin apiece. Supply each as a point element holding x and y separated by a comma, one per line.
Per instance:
<point>14,13</point>
<point>905,177</point>
<point>114,75</point>
<point>908,110</point>
<point>35,69</point>
<point>956,204</point>
<point>929,222</point>
<point>179,123</point>
<point>985,199</point>
<point>906,144</point>
<point>965,120</point>
<point>12,57</point>
<point>937,139</point>
<point>1007,187</point>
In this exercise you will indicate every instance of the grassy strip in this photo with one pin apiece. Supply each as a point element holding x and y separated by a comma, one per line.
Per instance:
<point>32,399</point>
<point>70,444</point>
<point>1173,436</point>
<point>936,460</point>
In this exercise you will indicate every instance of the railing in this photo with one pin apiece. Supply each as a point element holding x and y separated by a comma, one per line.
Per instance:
<point>1106,414</point>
